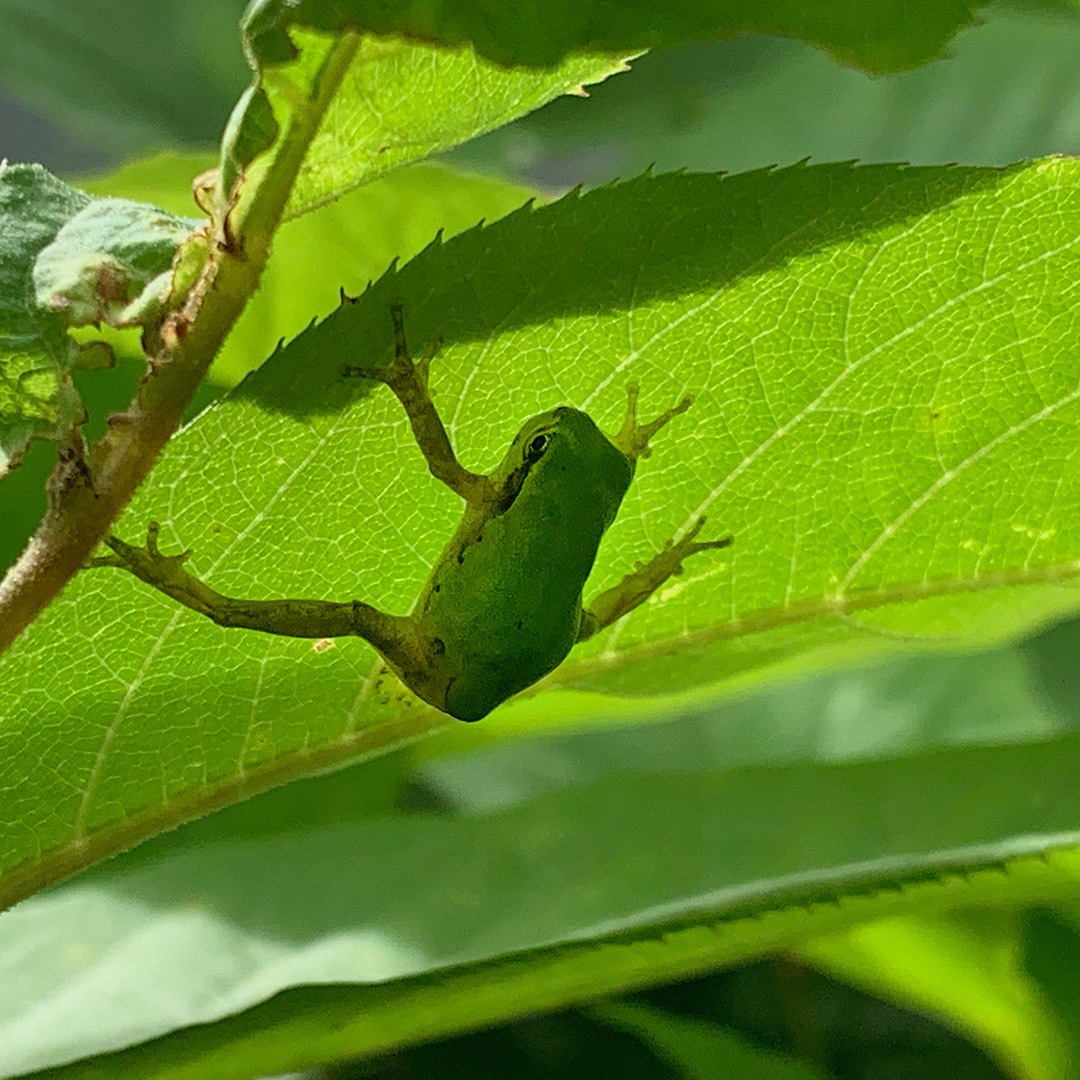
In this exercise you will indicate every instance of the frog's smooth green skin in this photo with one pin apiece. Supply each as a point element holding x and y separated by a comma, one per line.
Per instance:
<point>503,605</point>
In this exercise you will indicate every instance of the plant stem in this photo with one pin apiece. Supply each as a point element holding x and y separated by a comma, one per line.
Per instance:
<point>87,493</point>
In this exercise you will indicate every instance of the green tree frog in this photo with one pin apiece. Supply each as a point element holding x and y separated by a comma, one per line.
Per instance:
<point>503,604</point>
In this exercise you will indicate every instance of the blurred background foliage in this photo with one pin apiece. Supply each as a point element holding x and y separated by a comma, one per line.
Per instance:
<point>866,1004</point>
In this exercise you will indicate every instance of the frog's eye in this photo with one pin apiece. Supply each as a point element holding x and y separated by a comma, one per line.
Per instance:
<point>537,447</point>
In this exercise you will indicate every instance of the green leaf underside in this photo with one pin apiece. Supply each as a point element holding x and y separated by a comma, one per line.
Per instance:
<point>401,103</point>
<point>883,35</point>
<point>397,102</point>
<point>861,429</point>
<point>960,971</point>
<point>700,1049</point>
<point>67,259</point>
<point>521,910</point>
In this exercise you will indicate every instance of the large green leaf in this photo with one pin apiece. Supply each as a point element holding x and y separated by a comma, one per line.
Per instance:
<point>444,923</point>
<point>886,402</point>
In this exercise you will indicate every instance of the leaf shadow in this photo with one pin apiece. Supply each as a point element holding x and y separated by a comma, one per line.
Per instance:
<point>611,250</point>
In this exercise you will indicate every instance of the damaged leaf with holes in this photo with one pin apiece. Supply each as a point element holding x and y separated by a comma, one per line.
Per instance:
<point>68,259</point>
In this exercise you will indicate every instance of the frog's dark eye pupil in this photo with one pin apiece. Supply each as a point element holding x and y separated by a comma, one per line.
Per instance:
<point>537,447</point>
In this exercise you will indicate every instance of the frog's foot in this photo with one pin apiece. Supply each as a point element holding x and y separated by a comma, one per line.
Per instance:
<point>406,377</point>
<point>147,558</point>
<point>637,587</point>
<point>146,562</point>
<point>633,438</point>
<point>673,554</point>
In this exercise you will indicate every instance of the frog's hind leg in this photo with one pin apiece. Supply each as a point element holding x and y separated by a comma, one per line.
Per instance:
<point>638,586</point>
<point>391,634</point>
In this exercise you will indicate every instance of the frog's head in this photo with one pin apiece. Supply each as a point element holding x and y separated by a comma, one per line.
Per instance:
<point>563,458</point>
<point>564,455</point>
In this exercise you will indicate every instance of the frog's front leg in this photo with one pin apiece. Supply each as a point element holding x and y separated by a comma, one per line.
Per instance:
<point>392,635</point>
<point>409,382</point>
<point>638,586</point>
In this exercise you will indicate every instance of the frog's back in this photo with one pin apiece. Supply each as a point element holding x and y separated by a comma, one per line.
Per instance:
<point>503,605</point>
